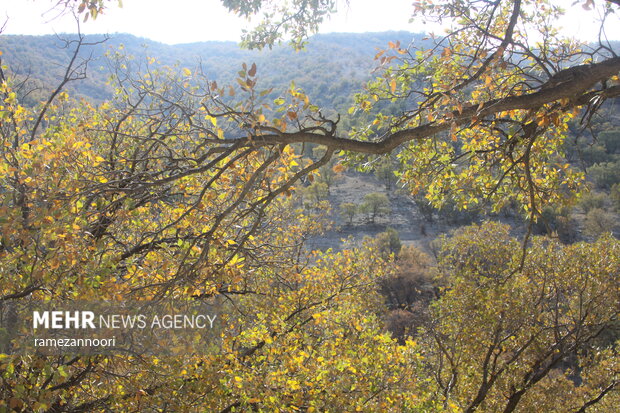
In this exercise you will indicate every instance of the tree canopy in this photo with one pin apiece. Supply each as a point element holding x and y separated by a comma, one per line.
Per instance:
<point>486,108</point>
<point>183,187</point>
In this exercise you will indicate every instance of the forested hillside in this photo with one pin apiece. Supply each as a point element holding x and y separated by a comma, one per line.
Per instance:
<point>331,68</point>
<point>478,174</point>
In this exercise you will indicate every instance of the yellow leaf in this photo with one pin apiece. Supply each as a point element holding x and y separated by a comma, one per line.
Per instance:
<point>393,85</point>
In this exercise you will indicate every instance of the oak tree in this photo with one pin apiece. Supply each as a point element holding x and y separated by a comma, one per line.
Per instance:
<point>183,187</point>
<point>506,338</point>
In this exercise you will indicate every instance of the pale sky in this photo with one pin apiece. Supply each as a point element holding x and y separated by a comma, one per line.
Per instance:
<point>183,21</point>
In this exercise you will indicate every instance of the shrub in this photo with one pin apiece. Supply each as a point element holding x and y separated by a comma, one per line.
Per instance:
<point>615,196</point>
<point>597,222</point>
<point>404,323</point>
<point>408,292</point>
<point>593,200</point>
<point>557,221</point>
<point>412,281</point>
<point>605,174</point>
<point>388,242</point>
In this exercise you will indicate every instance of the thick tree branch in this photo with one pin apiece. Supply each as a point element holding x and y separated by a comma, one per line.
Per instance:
<point>573,84</point>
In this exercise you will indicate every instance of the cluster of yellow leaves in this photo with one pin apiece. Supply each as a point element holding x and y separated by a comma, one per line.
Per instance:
<point>502,324</point>
<point>305,331</point>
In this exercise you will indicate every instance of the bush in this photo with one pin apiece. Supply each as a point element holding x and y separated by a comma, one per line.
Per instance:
<point>557,221</point>
<point>598,222</point>
<point>605,174</point>
<point>615,196</point>
<point>388,242</point>
<point>408,292</point>
<point>412,281</point>
<point>593,200</point>
<point>404,323</point>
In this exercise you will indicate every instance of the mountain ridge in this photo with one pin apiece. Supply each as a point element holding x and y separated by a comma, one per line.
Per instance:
<point>330,69</point>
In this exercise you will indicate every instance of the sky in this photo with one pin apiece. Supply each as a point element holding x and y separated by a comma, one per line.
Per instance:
<point>185,21</point>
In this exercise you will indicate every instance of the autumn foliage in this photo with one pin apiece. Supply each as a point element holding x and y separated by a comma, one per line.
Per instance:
<point>184,188</point>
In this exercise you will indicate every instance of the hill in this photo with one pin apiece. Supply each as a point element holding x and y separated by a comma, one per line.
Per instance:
<point>331,68</point>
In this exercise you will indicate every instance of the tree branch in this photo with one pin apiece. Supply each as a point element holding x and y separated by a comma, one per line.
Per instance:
<point>573,84</point>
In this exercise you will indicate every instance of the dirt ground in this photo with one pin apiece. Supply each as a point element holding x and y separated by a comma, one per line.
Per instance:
<point>404,216</point>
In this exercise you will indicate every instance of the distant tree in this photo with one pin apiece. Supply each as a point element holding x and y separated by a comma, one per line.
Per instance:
<point>348,211</point>
<point>330,173</point>
<point>385,172</point>
<point>615,196</point>
<point>594,153</point>
<point>316,192</point>
<point>584,152</point>
<point>593,200</point>
<point>598,222</point>
<point>605,174</point>
<point>327,175</point>
<point>611,140</point>
<point>388,242</point>
<point>425,207</point>
<point>375,204</point>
